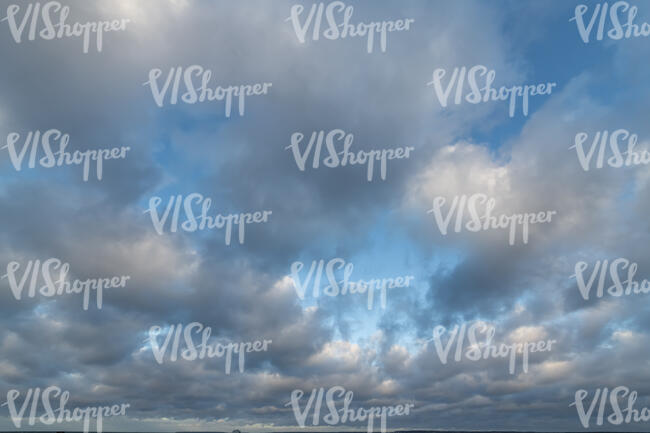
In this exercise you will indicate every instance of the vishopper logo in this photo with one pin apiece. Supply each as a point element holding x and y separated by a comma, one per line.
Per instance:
<point>201,350</point>
<point>341,158</point>
<point>478,350</point>
<point>338,17</point>
<point>616,30</point>
<point>477,95</point>
<point>201,221</point>
<point>618,415</point>
<point>344,286</point>
<point>619,287</point>
<point>34,140</point>
<point>345,414</point>
<point>194,94</point>
<point>58,30</point>
<point>600,142</point>
<point>485,221</point>
<point>64,415</point>
<point>60,286</point>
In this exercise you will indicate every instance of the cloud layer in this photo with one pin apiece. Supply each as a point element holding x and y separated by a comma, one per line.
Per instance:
<point>244,291</point>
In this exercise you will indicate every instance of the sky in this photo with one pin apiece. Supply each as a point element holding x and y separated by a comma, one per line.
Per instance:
<point>245,291</point>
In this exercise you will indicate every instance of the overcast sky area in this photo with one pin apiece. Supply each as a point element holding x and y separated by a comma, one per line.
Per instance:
<point>243,163</point>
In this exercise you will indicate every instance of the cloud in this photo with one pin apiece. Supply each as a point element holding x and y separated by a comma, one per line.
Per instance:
<point>243,292</point>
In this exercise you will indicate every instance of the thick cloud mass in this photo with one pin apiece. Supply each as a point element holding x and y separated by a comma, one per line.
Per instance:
<point>244,292</point>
